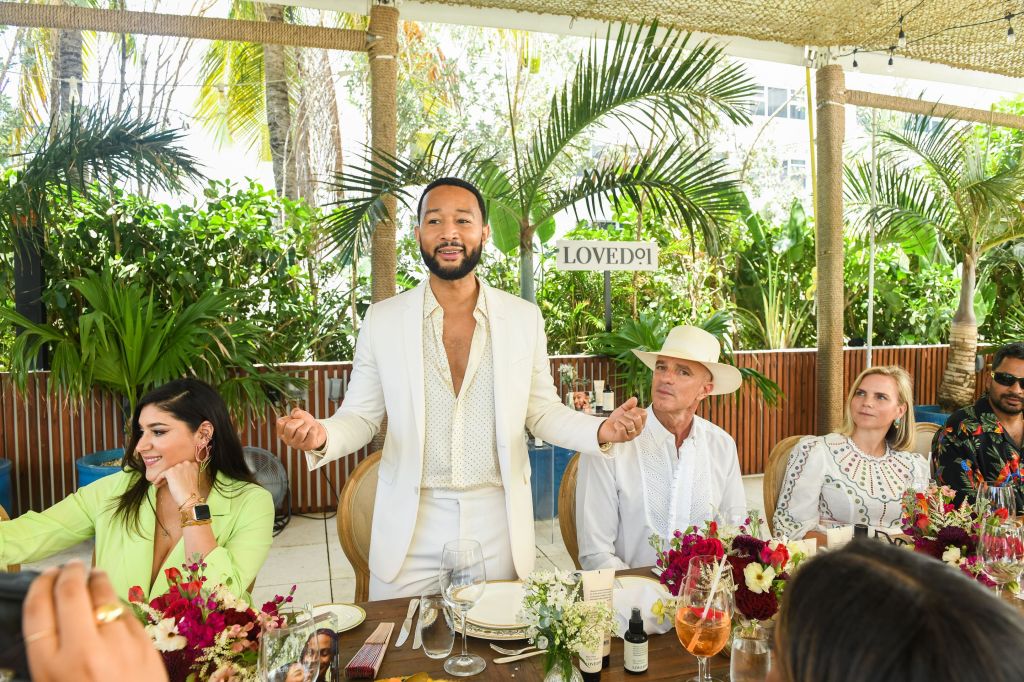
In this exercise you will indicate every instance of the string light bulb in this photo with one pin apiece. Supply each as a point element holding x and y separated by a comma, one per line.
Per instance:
<point>1011,37</point>
<point>856,67</point>
<point>890,67</point>
<point>901,39</point>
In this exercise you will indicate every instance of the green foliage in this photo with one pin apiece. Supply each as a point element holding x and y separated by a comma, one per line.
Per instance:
<point>244,239</point>
<point>127,342</point>
<point>648,333</point>
<point>774,282</point>
<point>644,77</point>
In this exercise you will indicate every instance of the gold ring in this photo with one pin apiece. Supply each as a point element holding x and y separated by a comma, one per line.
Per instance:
<point>108,613</point>
<point>28,639</point>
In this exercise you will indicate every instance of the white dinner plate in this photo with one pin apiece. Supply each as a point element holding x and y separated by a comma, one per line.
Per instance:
<point>495,634</point>
<point>348,615</point>
<point>499,606</point>
<point>637,581</point>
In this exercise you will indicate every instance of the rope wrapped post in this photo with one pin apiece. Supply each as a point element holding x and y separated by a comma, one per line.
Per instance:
<point>382,45</point>
<point>831,115</point>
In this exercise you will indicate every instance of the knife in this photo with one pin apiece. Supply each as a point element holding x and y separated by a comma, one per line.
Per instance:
<point>407,625</point>
<point>417,636</point>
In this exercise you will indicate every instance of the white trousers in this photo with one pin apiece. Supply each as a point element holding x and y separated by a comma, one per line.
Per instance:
<point>449,515</point>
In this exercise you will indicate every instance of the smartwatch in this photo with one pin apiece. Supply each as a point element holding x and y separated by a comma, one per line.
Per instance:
<point>196,515</point>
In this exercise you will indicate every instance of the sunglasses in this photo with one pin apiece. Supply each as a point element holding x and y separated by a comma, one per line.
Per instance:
<point>1007,379</point>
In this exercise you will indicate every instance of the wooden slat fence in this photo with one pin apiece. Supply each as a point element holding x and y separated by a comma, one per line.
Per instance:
<point>44,435</point>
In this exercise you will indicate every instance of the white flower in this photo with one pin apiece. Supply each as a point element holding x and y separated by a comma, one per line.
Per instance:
<point>758,578</point>
<point>952,555</point>
<point>165,636</point>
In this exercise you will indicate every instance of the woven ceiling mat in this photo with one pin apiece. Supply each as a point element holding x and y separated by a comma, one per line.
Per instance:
<point>936,30</point>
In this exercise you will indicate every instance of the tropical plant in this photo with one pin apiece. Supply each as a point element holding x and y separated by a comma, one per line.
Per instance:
<point>640,77</point>
<point>125,342</point>
<point>773,280</point>
<point>648,333</point>
<point>941,180</point>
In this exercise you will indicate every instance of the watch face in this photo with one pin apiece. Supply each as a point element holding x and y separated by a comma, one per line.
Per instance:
<point>202,512</point>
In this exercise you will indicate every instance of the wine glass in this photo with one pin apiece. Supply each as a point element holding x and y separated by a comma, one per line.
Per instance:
<point>991,498</point>
<point>1001,550</point>
<point>281,649</point>
<point>704,615</point>
<point>463,579</point>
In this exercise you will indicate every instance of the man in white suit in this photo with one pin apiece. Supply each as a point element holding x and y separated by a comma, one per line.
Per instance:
<point>460,369</point>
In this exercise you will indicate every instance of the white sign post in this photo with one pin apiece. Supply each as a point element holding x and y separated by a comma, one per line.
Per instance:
<point>607,256</point>
<point>600,255</point>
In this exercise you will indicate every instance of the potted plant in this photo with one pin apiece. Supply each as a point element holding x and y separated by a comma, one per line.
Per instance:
<point>125,342</point>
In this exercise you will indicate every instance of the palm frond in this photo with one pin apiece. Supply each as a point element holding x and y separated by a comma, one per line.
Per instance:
<point>89,145</point>
<point>637,77</point>
<point>687,185</point>
<point>127,343</point>
<point>906,208</point>
<point>933,142</point>
<point>363,187</point>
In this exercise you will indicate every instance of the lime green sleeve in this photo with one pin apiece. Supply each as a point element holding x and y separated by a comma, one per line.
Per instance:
<point>240,553</point>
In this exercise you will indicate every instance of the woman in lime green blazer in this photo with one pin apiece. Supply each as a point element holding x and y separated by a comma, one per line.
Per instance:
<point>184,492</point>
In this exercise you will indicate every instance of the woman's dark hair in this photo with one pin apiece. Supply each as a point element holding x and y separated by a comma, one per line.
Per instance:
<point>193,402</point>
<point>875,612</point>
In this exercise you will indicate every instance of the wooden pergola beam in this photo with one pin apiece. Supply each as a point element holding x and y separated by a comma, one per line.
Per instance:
<point>68,17</point>
<point>918,106</point>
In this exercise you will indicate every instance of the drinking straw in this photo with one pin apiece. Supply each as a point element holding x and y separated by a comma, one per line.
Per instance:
<point>719,566</point>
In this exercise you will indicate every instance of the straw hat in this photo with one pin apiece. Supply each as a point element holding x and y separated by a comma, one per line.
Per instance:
<point>693,343</point>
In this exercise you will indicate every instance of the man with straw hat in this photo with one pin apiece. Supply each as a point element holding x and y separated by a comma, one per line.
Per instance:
<point>682,470</point>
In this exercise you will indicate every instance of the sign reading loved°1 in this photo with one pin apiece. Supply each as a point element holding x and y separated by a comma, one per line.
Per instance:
<point>598,255</point>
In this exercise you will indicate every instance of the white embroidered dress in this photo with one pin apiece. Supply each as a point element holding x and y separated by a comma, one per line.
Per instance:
<point>650,486</point>
<point>829,483</point>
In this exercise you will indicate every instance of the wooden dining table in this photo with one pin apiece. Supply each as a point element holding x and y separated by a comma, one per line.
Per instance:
<point>668,659</point>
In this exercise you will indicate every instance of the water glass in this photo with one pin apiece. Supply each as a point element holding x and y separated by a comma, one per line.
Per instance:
<point>281,649</point>
<point>991,498</point>
<point>463,578</point>
<point>1001,550</point>
<point>751,656</point>
<point>437,626</point>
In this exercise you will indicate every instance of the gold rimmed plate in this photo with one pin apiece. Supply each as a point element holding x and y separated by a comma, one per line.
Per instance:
<point>348,615</point>
<point>498,608</point>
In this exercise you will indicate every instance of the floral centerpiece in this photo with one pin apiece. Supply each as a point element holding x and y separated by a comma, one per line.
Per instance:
<point>559,623</point>
<point>944,530</point>
<point>202,631</point>
<point>760,567</point>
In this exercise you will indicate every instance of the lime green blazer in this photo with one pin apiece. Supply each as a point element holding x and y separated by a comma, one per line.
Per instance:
<point>243,520</point>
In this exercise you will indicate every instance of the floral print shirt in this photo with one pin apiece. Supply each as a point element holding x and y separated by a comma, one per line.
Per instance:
<point>973,447</point>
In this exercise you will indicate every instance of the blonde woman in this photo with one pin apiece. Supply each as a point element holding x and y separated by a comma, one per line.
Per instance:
<point>859,474</point>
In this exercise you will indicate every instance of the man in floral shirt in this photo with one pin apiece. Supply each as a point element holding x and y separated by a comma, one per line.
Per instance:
<point>983,442</point>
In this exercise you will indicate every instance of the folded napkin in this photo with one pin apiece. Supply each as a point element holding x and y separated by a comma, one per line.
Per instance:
<point>366,663</point>
<point>642,594</point>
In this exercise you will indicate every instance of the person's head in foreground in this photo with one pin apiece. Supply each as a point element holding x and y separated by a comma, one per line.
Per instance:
<point>452,227</point>
<point>874,612</point>
<point>1006,392</point>
<point>882,400</point>
<point>182,421</point>
<point>687,370</point>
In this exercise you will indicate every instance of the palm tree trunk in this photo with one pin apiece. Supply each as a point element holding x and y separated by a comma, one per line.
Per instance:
<point>527,287</point>
<point>67,73</point>
<point>279,119</point>
<point>957,386</point>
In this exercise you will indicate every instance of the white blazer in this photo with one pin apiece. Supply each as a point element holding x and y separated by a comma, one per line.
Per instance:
<point>387,377</point>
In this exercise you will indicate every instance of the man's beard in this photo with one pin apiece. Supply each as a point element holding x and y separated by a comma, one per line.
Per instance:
<point>458,272</point>
<point>1004,407</point>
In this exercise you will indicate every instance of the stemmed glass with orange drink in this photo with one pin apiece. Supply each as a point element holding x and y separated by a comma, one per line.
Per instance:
<point>704,614</point>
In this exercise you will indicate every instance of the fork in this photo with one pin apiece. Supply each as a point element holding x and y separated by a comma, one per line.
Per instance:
<point>511,652</point>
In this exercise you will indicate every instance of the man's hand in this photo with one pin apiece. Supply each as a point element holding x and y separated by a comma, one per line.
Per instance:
<point>301,431</point>
<point>624,424</point>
